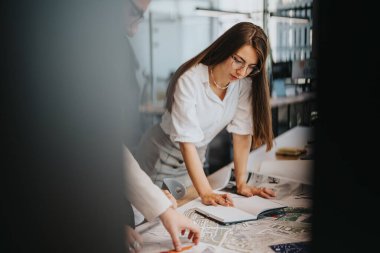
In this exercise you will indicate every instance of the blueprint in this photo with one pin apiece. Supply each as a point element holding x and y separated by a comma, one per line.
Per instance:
<point>252,236</point>
<point>261,236</point>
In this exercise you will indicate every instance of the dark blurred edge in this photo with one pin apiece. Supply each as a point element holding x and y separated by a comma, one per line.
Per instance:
<point>346,182</point>
<point>62,70</point>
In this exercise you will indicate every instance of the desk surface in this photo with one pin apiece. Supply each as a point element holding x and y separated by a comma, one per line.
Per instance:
<point>257,236</point>
<point>295,137</point>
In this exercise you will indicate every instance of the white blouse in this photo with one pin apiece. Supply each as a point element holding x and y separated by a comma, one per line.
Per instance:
<point>198,114</point>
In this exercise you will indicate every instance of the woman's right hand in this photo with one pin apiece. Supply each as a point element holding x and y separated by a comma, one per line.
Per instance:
<point>175,223</point>
<point>215,199</point>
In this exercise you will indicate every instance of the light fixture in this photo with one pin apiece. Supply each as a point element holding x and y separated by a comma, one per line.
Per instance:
<point>220,13</point>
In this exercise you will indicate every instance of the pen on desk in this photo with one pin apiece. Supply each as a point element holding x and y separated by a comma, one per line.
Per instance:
<point>174,251</point>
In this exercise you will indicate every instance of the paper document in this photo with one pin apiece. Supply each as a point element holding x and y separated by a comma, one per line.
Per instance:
<point>219,179</point>
<point>297,170</point>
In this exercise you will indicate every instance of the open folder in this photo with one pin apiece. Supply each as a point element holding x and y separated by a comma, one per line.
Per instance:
<point>245,209</point>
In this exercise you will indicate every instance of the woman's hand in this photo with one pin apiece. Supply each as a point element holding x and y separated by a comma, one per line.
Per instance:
<point>249,191</point>
<point>175,223</point>
<point>134,240</point>
<point>214,199</point>
<point>171,198</point>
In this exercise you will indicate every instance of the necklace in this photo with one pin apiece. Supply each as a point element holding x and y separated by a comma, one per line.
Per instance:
<point>216,85</point>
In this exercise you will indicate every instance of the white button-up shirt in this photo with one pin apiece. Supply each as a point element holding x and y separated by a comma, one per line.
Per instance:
<point>198,114</point>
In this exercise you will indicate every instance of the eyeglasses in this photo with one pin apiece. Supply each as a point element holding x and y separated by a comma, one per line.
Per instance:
<point>136,12</point>
<point>239,63</point>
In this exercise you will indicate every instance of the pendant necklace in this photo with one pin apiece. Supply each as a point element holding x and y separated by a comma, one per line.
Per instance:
<point>216,85</point>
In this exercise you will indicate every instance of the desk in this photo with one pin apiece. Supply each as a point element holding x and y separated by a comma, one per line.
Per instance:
<point>254,236</point>
<point>298,137</point>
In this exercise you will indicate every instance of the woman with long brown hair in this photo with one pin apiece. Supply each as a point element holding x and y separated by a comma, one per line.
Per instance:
<point>225,85</point>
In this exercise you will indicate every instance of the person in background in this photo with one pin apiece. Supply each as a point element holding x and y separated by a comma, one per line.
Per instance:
<point>134,13</point>
<point>148,199</point>
<point>225,85</point>
<point>63,68</point>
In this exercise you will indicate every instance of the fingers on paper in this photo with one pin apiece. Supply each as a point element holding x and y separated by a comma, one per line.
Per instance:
<point>246,192</point>
<point>228,199</point>
<point>270,192</point>
<point>209,201</point>
<point>266,192</point>
<point>175,239</point>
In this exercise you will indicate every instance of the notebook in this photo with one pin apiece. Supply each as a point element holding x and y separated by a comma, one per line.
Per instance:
<point>245,209</point>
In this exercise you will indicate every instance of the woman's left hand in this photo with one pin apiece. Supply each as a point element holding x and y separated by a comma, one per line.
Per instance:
<point>249,191</point>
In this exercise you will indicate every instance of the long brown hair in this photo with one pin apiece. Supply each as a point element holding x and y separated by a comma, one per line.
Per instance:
<point>243,33</point>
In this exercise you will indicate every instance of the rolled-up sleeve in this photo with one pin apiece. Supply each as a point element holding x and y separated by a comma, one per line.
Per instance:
<point>242,122</point>
<point>186,127</point>
<point>141,191</point>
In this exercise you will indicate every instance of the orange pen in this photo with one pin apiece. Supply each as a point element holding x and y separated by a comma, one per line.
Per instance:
<point>174,251</point>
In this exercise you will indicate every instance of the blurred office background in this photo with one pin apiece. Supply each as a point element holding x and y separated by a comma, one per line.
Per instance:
<point>57,136</point>
<point>173,31</point>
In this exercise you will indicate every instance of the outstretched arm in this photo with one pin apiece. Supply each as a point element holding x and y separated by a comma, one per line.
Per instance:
<point>147,197</point>
<point>198,177</point>
<point>152,202</point>
<point>242,146</point>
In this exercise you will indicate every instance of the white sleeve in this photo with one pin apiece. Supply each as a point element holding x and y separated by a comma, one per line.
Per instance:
<point>242,122</point>
<point>184,115</point>
<point>147,197</point>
